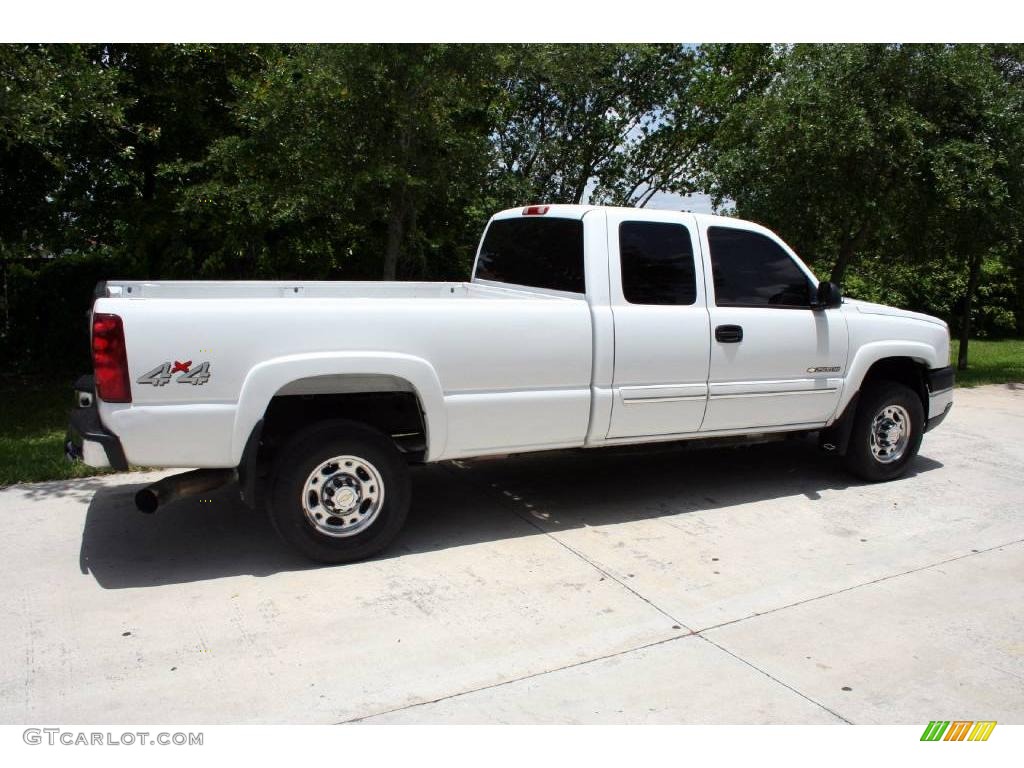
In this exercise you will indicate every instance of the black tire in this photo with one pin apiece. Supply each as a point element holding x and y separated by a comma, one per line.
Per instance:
<point>860,459</point>
<point>307,450</point>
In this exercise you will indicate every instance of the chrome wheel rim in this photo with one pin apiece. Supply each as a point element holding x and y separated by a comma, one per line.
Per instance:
<point>343,496</point>
<point>890,434</point>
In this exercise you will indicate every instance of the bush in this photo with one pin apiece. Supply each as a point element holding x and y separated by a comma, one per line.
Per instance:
<point>45,325</point>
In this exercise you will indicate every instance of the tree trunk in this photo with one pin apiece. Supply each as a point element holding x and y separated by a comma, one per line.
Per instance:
<point>149,183</point>
<point>839,268</point>
<point>398,205</point>
<point>847,251</point>
<point>397,216</point>
<point>965,318</point>
<point>147,159</point>
<point>1018,309</point>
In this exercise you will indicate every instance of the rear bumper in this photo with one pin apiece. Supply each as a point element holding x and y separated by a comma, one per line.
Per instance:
<point>87,439</point>
<point>940,395</point>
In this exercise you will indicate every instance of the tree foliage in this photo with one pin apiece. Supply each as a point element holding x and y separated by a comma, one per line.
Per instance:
<point>60,111</point>
<point>346,158</point>
<point>606,123</point>
<point>898,162</point>
<point>892,168</point>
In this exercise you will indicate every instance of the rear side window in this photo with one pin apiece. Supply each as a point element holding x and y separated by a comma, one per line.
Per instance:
<point>751,270</point>
<point>534,251</point>
<point>656,260</point>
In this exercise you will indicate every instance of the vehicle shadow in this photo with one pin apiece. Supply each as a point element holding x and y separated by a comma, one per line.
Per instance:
<point>458,504</point>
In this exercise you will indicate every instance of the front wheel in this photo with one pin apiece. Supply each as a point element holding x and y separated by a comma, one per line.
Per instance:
<point>887,432</point>
<point>340,492</point>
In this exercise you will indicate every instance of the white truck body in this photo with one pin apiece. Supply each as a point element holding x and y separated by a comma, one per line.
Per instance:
<point>498,368</point>
<point>582,327</point>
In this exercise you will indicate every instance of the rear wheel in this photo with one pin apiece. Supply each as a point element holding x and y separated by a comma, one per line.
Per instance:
<point>340,492</point>
<point>887,432</point>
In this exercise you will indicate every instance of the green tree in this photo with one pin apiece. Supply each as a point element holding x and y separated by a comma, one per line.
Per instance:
<point>179,99</point>
<point>348,157</point>
<point>975,163</point>
<point>604,122</point>
<point>894,168</point>
<point>60,112</point>
<point>898,160</point>
<point>823,150</point>
<point>85,130</point>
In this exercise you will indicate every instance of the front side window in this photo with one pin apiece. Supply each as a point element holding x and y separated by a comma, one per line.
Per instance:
<point>535,252</point>
<point>656,260</point>
<point>751,270</point>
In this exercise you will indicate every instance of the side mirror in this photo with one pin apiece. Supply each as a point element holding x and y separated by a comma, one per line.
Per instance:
<point>829,295</point>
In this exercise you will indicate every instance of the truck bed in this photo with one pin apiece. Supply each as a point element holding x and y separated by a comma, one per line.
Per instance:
<point>494,369</point>
<point>268,289</point>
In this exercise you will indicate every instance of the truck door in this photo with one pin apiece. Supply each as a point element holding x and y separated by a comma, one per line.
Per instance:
<point>775,360</point>
<point>661,322</point>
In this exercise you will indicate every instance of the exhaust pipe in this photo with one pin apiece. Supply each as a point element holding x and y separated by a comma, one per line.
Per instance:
<point>179,486</point>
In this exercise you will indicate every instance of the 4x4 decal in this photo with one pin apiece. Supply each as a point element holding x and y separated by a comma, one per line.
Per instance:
<point>162,374</point>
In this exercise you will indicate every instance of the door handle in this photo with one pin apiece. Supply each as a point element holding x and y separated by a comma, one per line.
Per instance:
<point>729,334</point>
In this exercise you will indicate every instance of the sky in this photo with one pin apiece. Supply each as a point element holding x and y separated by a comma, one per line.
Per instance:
<point>695,203</point>
<point>669,201</point>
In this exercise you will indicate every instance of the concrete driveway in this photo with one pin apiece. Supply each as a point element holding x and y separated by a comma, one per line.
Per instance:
<point>752,585</point>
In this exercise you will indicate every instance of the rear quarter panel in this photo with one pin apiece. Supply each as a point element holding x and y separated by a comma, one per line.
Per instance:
<point>510,372</point>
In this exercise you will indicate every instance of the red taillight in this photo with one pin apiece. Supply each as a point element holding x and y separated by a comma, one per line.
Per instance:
<point>535,210</point>
<point>110,359</point>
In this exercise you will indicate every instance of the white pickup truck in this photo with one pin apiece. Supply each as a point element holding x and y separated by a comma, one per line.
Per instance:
<point>582,327</point>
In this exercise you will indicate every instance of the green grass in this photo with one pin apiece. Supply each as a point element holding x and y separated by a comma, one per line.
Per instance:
<point>33,420</point>
<point>991,362</point>
<point>34,413</point>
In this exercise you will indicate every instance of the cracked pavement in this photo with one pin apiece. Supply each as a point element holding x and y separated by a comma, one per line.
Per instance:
<point>747,585</point>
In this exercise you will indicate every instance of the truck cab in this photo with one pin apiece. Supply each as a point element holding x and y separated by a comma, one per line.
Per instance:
<point>708,326</point>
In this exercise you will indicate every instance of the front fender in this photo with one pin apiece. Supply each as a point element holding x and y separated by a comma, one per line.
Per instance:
<point>266,380</point>
<point>870,353</point>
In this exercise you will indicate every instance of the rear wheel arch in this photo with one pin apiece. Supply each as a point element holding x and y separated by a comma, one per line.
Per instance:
<point>383,403</point>
<point>338,373</point>
<point>389,405</point>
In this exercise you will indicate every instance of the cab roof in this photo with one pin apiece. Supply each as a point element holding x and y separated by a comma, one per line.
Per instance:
<point>572,211</point>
